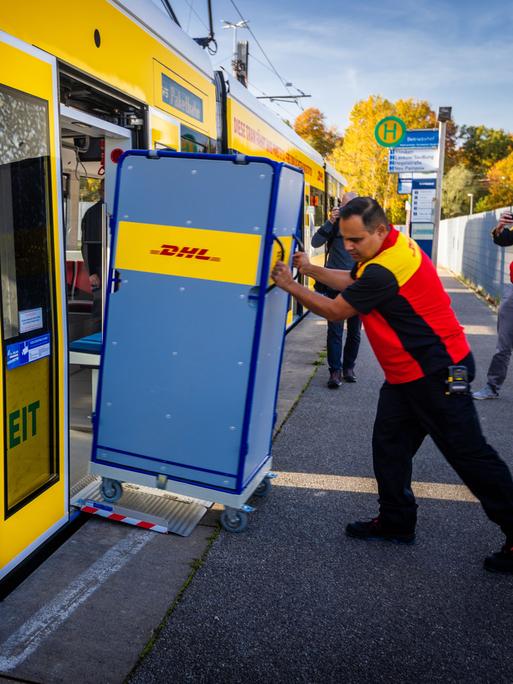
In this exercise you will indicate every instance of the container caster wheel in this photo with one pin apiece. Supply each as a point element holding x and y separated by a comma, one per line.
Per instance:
<point>233,520</point>
<point>263,488</point>
<point>111,490</point>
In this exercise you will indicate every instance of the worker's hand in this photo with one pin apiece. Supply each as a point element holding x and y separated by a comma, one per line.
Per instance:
<point>95,281</point>
<point>282,275</point>
<point>334,215</point>
<point>301,261</point>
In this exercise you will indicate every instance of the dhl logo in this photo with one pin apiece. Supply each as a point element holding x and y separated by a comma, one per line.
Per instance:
<point>184,252</point>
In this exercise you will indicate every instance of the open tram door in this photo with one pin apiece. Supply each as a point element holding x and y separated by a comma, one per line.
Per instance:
<point>33,362</point>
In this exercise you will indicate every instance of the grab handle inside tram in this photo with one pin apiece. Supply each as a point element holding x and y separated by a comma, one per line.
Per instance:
<point>115,281</point>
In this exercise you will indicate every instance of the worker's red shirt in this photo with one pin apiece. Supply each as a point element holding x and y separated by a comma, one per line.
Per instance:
<point>406,313</point>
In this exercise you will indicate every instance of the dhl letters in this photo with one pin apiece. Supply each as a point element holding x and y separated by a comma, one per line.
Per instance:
<point>186,252</point>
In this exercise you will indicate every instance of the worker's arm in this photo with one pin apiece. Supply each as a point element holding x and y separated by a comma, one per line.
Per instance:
<point>334,278</point>
<point>332,309</point>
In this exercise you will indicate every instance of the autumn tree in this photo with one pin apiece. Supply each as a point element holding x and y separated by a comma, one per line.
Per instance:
<point>311,126</point>
<point>364,163</point>
<point>499,180</point>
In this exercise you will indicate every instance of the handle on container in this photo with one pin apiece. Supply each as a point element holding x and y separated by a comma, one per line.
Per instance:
<point>282,257</point>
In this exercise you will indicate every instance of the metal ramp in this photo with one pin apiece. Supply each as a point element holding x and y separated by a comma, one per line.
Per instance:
<point>142,507</point>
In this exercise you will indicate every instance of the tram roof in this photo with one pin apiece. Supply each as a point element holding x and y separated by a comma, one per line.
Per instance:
<point>159,23</point>
<point>240,93</point>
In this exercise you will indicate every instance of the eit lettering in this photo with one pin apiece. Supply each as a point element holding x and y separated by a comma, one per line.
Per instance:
<point>23,424</point>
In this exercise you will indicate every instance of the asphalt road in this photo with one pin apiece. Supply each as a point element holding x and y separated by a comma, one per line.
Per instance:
<point>294,600</point>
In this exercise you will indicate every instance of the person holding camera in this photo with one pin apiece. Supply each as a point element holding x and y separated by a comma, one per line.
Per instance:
<point>503,236</point>
<point>338,258</point>
<point>428,365</point>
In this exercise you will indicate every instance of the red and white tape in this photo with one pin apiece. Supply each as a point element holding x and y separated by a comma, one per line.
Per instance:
<point>124,519</point>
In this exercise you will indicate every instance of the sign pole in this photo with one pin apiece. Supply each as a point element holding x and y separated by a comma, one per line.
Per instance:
<point>444,115</point>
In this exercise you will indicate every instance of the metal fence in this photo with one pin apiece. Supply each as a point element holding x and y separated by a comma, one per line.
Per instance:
<point>465,247</point>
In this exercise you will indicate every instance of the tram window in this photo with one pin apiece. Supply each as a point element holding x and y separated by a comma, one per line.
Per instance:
<point>317,201</point>
<point>26,283</point>
<point>24,184</point>
<point>192,141</point>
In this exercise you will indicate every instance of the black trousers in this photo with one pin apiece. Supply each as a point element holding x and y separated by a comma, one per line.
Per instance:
<point>406,414</point>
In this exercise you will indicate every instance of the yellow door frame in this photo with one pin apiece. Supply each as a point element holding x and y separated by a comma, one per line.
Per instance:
<point>31,512</point>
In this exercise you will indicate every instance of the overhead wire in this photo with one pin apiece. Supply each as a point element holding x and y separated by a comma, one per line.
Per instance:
<point>277,104</point>
<point>189,17</point>
<point>273,68</point>
<point>191,9</point>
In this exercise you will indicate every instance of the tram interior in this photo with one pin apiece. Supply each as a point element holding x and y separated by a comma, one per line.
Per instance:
<point>81,189</point>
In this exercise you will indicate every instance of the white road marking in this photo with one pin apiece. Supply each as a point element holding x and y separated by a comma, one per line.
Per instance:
<point>480,330</point>
<point>22,643</point>
<point>367,485</point>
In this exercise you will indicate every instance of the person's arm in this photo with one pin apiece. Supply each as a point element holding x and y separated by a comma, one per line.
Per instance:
<point>502,234</point>
<point>325,232</point>
<point>332,309</point>
<point>334,278</point>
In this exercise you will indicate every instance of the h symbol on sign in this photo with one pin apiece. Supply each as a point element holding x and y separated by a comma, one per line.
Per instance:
<point>390,129</point>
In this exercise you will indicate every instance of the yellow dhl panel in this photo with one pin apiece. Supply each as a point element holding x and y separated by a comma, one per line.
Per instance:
<point>188,252</point>
<point>250,135</point>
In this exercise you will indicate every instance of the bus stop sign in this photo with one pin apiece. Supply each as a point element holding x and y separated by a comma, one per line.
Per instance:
<point>390,131</point>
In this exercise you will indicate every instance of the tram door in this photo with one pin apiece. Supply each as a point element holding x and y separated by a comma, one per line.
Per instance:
<point>33,365</point>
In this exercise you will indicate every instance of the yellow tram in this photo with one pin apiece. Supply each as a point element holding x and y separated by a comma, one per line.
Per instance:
<point>78,85</point>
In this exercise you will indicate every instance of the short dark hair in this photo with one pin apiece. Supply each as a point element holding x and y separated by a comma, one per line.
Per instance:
<point>371,212</point>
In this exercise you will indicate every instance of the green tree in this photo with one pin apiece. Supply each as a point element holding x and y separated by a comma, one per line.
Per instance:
<point>482,147</point>
<point>311,126</point>
<point>457,184</point>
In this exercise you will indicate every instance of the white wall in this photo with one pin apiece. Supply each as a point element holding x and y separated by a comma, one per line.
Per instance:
<point>465,247</point>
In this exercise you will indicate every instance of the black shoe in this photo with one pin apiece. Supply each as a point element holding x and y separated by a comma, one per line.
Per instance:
<point>349,375</point>
<point>335,379</point>
<point>373,529</point>
<point>501,561</point>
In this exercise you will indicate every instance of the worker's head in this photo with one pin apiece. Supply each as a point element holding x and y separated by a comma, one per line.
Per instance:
<point>364,226</point>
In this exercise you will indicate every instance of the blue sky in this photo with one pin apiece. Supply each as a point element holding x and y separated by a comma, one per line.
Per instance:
<point>457,53</point>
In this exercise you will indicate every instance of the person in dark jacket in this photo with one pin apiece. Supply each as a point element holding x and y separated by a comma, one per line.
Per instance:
<point>503,236</point>
<point>337,257</point>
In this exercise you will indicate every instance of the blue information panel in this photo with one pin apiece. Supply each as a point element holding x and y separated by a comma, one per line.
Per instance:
<point>420,138</point>
<point>194,326</point>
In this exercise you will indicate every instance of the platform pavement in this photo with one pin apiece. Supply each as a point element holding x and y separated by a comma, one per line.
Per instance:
<point>292,599</point>
<point>86,614</point>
